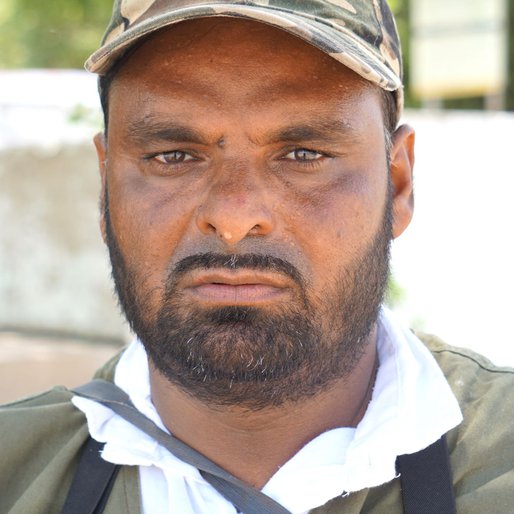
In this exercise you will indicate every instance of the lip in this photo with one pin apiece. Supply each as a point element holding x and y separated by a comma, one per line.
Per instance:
<point>239,287</point>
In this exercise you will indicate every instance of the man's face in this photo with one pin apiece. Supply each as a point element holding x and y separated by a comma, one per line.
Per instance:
<point>248,211</point>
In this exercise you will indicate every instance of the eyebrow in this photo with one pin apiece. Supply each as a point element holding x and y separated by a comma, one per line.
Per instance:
<point>149,130</point>
<point>330,130</point>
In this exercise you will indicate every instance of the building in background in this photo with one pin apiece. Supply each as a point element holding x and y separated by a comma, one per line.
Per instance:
<point>459,49</point>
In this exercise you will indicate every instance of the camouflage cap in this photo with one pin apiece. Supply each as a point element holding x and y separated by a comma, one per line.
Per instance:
<point>361,34</point>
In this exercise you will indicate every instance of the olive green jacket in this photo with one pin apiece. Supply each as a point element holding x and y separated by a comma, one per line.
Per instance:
<point>41,437</point>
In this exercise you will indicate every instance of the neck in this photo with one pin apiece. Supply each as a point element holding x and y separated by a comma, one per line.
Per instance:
<point>252,445</point>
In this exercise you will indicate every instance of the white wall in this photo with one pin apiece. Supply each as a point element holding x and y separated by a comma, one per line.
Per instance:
<point>456,260</point>
<point>54,272</point>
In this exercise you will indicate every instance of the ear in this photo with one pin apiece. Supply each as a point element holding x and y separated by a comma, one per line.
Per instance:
<point>101,153</point>
<point>401,168</point>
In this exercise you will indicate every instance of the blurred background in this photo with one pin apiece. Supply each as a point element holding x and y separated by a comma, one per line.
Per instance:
<point>452,270</point>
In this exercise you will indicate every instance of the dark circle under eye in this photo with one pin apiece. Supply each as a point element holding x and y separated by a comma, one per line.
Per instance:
<point>305,155</point>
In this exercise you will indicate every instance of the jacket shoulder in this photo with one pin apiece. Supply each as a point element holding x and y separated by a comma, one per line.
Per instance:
<point>41,438</point>
<point>445,354</point>
<point>482,446</point>
<point>39,416</point>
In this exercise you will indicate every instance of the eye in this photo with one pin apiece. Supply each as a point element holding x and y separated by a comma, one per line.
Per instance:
<point>303,154</point>
<point>173,157</point>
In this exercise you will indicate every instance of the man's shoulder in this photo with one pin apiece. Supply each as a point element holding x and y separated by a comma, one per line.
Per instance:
<point>465,369</point>
<point>485,391</point>
<point>41,422</point>
<point>482,446</point>
<point>41,439</point>
<point>56,395</point>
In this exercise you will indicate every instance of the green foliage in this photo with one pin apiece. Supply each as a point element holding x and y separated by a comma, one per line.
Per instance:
<point>510,86</point>
<point>400,10</point>
<point>52,33</point>
<point>395,293</point>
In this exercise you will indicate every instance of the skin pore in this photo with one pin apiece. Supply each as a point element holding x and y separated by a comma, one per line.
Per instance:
<point>252,270</point>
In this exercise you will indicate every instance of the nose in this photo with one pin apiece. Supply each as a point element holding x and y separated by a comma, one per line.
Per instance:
<point>237,205</point>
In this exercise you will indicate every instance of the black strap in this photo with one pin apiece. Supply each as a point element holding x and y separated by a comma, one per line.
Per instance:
<point>425,476</point>
<point>426,480</point>
<point>92,483</point>
<point>245,498</point>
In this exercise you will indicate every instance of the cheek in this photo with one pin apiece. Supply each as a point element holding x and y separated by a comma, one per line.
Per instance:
<point>148,220</point>
<point>339,219</point>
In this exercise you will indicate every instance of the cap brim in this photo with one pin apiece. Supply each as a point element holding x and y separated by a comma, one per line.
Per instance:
<point>339,43</point>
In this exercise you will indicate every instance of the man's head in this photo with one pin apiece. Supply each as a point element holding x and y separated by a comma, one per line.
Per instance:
<point>249,201</point>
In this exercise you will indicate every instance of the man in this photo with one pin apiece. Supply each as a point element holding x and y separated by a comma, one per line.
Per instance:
<point>253,176</point>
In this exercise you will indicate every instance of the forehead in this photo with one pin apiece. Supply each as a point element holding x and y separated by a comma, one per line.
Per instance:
<point>216,34</point>
<point>206,70</point>
<point>214,48</point>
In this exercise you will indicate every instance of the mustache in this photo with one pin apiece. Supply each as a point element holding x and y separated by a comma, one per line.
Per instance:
<point>234,262</point>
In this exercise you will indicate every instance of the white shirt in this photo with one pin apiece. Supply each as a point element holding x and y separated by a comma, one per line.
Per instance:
<point>412,405</point>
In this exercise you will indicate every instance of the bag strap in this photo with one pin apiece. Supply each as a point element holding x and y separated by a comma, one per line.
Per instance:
<point>245,498</point>
<point>426,480</point>
<point>425,476</point>
<point>92,483</point>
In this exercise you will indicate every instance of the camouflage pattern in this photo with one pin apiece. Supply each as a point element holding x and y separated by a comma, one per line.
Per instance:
<point>361,34</point>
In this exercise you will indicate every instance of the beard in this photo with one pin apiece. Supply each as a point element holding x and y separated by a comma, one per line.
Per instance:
<point>255,357</point>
